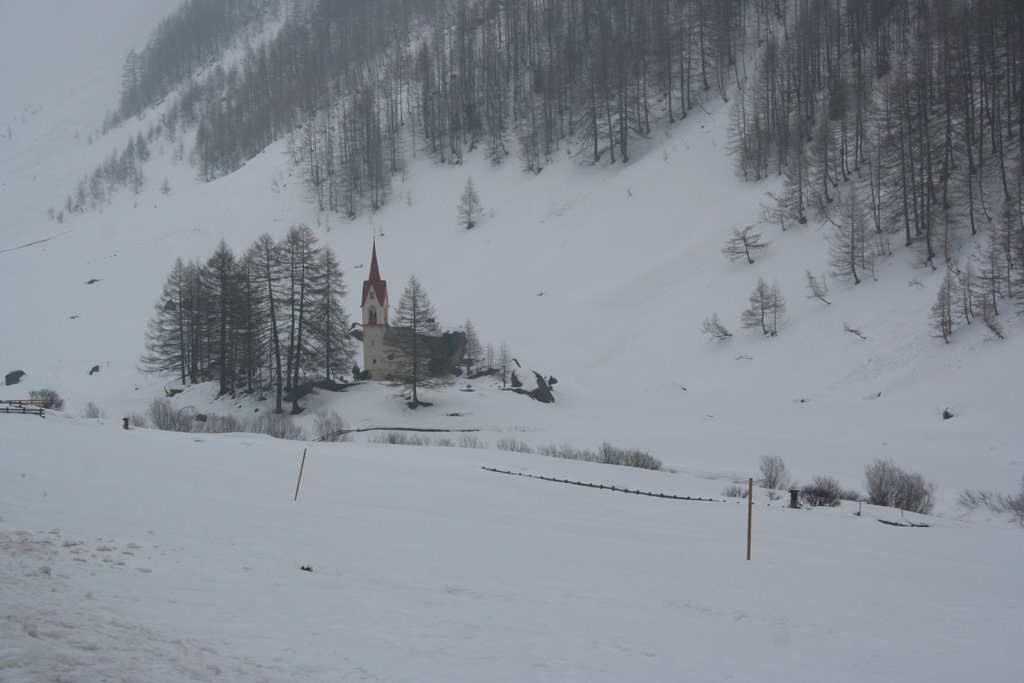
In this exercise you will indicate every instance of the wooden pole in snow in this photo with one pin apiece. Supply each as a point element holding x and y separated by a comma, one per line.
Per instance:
<point>750,512</point>
<point>303,465</point>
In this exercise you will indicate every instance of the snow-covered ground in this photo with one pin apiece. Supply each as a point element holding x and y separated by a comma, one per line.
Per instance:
<point>146,556</point>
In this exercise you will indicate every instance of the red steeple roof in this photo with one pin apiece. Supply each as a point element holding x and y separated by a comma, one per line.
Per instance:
<point>380,287</point>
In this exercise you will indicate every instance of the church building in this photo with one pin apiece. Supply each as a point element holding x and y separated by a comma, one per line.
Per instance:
<point>383,356</point>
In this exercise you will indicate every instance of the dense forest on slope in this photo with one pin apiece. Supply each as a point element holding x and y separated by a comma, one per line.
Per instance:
<point>893,121</point>
<point>360,85</point>
<point>185,41</point>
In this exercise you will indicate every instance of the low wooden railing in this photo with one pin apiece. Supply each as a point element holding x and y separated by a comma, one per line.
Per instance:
<point>28,406</point>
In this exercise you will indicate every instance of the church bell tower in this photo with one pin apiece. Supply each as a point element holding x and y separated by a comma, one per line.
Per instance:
<point>375,320</point>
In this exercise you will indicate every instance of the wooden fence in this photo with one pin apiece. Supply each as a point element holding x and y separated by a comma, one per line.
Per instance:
<point>636,492</point>
<point>28,406</point>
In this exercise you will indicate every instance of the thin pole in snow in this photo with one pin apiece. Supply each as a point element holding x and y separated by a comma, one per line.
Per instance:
<point>750,512</point>
<point>303,465</point>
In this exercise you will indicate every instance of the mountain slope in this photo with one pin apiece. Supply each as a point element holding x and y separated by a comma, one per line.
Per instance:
<point>160,556</point>
<point>597,275</point>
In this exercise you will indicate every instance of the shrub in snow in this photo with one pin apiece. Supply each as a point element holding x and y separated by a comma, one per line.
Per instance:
<point>220,424</point>
<point>567,452</point>
<point>891,486</point>
<point>735,491</point>
<point>630,457</point>
<point>822,492</point>
<point>996,502</point>
<point>507,443</point>
<point>137,420</point>
<point>713,326</point>
<point>471,441</point>
<point>327,425</point>
<point>400,439</point>
<point>51,400</point>
<point>774,474</point>
<point>165,416</point>
<point>92,411</point>
<point>277,425</point>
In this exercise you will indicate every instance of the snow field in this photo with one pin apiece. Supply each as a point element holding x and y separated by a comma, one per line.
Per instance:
<point>172,557</point>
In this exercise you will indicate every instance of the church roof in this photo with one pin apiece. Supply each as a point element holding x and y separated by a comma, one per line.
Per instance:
<point>380,287</point>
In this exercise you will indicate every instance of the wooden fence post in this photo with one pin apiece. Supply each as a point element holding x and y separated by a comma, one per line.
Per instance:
<point>301,467</point>
<point>750,512</point>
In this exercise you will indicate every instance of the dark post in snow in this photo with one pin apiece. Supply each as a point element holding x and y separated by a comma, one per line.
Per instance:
<point>301,467</point>
<point>750,512</point>
<point>794,499</point>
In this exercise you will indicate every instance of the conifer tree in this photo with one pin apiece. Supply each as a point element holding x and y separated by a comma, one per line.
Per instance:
<point>504,363</point>
<point>167,336</point>
<point>474,350</point>
<point>944,312</point>
<point>328,321</point>
<point>469,206</point>
<point>413,319</point>
<point>744,243</point>
<point>849,254</point>
<point>766,310</point>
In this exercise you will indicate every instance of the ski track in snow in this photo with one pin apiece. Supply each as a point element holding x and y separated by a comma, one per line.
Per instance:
<point>75,635</point>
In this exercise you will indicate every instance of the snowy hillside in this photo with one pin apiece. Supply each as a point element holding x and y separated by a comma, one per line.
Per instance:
<point>156,556</point>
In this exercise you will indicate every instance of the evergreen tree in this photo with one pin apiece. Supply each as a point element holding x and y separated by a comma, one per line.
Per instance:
<point>474,350</point>
<point>849,253</point>
<point>220,279</point>
<point>414,319</point>
<point>744,243</point>
<point>504,363</point>
<point>299,258</point>
<point>469,206</point>
<point>329,322</point>
<point>944,313</point>
<point>267,264</point>
<point>766,310</point>
<point>167,335</point>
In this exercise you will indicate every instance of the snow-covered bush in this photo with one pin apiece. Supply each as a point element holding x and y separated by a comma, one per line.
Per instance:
<point>401,439</point>
<point>220,424</point>
<point>735,491</point>
<point>891,486</point>
<point>327,425</point>
<point>471,441</point>
<point>51,400</point>
<point>567,452</point>
<point>774,474</point>
<point>508,443</point>
<point>996,502</point>
<point>630,457</point>
<point>165,416</point>
<point>277,425</point>
<point>823,491</point>
<point>91,411</point>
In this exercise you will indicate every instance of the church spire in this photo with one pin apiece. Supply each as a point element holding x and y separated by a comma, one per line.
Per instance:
<point>374,269</point>
<point>375,295</point>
